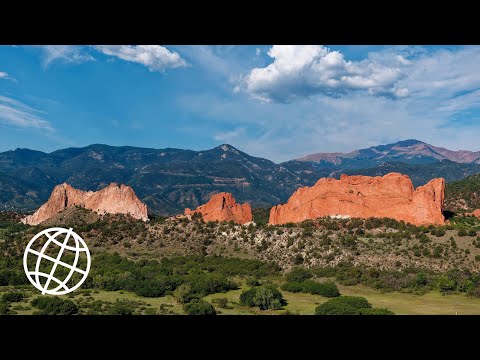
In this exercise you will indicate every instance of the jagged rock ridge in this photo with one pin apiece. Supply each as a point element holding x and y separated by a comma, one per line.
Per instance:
<point>391,196</point>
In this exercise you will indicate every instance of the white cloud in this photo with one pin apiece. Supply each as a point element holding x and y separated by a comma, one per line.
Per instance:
<point>17,114</point>
<point>5,76</point>
<point>154,57</point>
<point>306,70</point>
<point>71,54</point>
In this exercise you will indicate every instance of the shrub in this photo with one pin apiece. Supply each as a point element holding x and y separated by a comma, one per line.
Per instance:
<point>268,297</point>
<point>326,289</point>
<point>439,233</point>
<point>376,311</point>
<point>265,297</point>
<point>4,308</point>
<point>334,308</point>
<point>357,302</point>
<point>13,296</point>
<point>293,287</point>
<point>119,309</point>
<point>54,306</point>
<point>252,282</point>
<point>462,232</point>
<point>246,297</point>
<point>343,305</point>
<point>199,307</point>
<point>222,303</point>
<point>183,294</point>
<point>298,259</point>
<point>445,284</point>
<point>299,274</point>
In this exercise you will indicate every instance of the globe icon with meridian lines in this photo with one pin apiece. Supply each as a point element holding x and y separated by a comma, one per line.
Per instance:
<point>57,261</point>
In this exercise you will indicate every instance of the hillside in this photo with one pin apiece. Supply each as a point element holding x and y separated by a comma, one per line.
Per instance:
<point>463,195</point>
<point>170,180</point>
<point>167,180</point>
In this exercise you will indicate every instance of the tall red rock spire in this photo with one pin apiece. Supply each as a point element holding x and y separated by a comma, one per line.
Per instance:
<point>223,207</point>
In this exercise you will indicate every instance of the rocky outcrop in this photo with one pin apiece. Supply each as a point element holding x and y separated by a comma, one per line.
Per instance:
<point>391,196</point>
<point>475,213</point>
<point>114,199</point>
<point>223,207</point>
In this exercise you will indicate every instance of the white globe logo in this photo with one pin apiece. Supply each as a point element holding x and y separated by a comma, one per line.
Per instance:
<point>42,280</point>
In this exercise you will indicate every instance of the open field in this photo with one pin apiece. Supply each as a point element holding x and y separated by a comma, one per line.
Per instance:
<point>431,303</point>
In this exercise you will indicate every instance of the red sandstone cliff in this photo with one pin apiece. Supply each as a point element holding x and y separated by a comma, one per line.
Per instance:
<point>114,199</point>
<point>391,196</point>
<point>222,207</point>
<point>475,213</point>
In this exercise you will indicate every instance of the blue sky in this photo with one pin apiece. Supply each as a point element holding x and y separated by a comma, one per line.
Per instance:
<point>278,102</point>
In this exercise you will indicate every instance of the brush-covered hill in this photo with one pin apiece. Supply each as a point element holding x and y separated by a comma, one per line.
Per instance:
<point>463,195</point>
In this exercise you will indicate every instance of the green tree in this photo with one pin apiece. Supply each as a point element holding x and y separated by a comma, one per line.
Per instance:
<point>199,307</point>
<point>445,284</point>
<point>183,294</point>
<point>246,297</point>
<point>54,306</point>
<point>4,308</point>
<point>268,297</point>
<point>299,274</point>
<point>13,296</point>
<point>343,305</point>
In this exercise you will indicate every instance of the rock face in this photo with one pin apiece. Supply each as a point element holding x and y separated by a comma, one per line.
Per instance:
<point>114,199</point>
<point>223,207</point>
<point>391,196</point>
<point>475,213</point>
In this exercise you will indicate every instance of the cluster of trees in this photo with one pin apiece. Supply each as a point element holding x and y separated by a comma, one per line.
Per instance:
<point>54,306</point>
<point>298,281</point>
<point>199,307</point>
<point>349,305</point>
<point>265,297</point>
<point>7,299</point>
<point>191,277</point>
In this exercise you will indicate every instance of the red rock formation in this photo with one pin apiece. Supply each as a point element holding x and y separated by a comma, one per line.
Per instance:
<point>391,196</point>
<point>222,207</point>
<point>114,199</point>
<point>475,213</point>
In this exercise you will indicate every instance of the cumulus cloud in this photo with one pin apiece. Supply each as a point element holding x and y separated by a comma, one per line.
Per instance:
<point>6,76</point>
<point>306,70</point>
<point>154,57</point>
<point>70,54</point>
<point>442,108</point>
<point>17,114</point>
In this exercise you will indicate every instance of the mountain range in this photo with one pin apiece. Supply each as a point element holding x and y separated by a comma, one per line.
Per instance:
<point>169,180</point>
<point>409,151</point>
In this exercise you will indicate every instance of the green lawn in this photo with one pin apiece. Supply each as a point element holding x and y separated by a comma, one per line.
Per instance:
<point>432,303</point>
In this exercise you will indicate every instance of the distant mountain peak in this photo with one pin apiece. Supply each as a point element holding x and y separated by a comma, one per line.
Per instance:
<point>226,147</point>
<point>408,142</point>
<point>409,151</point>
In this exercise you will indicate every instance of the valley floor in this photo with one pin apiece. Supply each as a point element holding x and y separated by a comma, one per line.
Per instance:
<point>431,303</point>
